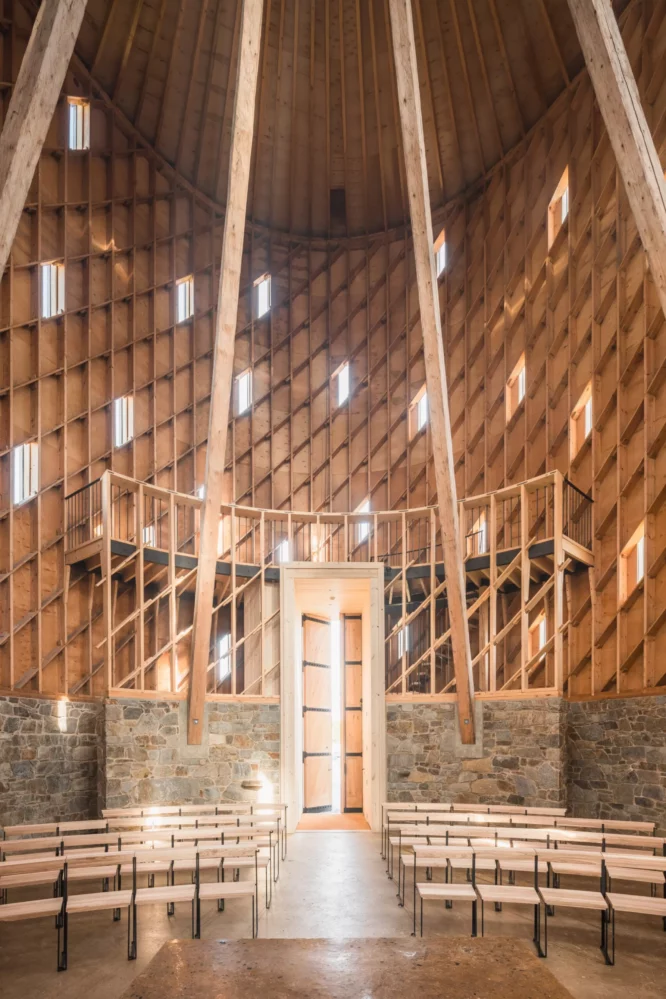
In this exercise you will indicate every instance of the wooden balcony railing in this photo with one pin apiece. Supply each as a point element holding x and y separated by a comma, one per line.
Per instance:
<point>517,543</point>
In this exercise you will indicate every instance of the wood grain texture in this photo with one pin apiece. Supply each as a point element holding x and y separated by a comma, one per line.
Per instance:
<point>630,136</point>
<point>31,108</point>
<point>407,80</point>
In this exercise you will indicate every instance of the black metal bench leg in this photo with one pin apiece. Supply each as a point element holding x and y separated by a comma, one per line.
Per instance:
<point>220,901</point>
<point>62,952</point>
<point>132,939</point>
<point>474,927</point>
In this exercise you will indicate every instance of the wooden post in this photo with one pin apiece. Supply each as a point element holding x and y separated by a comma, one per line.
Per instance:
<point>620,105</point>
<point>105,559</point>
<point>402,31</point>
<point>31,108</point>
<point>225,334</point>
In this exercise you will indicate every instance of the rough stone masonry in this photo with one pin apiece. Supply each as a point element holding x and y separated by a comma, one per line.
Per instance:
<point>68,760</point>
<point>520,757</point>
<point>48,759</point>
<point>147,758</point>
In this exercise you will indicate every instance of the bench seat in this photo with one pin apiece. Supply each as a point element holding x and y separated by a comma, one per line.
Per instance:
<point>165,893</point>
<point>226,889</point>
<point>508,893</point>
<point>639,874</point>
<point>99,900</point>
<point>446,892</point>
<point>31,910</point>
<point>645,905</point>
<point>573,899</point>
<point>26,880</point>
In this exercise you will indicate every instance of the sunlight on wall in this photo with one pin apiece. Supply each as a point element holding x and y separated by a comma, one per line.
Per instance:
<point>62,714</point>
<point>266,791</point>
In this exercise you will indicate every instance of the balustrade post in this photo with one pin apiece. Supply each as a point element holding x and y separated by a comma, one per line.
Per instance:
<point>107,525</point>
<point>558,557</point>
<point>173,617</point>
<point>139,588</point>
<point>524,586</point>
<point>433,607</point>
<point>262,587</point>
<point>232,538</point>
<point>492,609</point>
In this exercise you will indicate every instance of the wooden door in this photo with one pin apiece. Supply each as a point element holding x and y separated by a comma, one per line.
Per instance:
<point>352,735</point>
<point>317,720</point>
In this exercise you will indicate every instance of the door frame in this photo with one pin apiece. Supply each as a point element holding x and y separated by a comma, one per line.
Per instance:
<point>291,687</point>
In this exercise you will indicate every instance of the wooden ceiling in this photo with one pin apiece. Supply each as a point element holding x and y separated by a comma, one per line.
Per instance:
<point>327,156</point>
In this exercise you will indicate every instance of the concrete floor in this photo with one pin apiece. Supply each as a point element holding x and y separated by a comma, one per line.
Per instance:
<point>333,885</point>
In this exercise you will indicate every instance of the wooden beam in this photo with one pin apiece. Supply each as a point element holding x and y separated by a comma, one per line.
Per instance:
<point>402,31</point>
<point>31,108</point>
<point>225,335</point>
<point>631,139</point>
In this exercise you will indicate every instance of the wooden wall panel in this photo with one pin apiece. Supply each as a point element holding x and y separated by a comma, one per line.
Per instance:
<point>583,309</point>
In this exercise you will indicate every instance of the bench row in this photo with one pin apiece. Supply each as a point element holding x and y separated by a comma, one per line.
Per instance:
<point>603,900</point>
<point>62,905</point>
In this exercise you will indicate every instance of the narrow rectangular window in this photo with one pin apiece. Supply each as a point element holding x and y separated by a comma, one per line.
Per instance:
<point>588,417</point>
<point>53,289</point>
<point>538,635</point>
<point>283,550</point>
<point>580,424</point>
<point>243,392</point>
<point>632,563</point>
<point>25,472</point>
<point>440,253</point>
<point>403,641</point>
<point>363,528</point>
<point>640,558</point>
<point>78,111</point>
<point>262,290</point>
<point>184,299</point>
<point>341,376</point>
<point>123,420</point>
<point>477,540</point>
<point>422,411</point>
<point>418,412</point>
<point>150,536</point>
<point>516,387</point>
<point>223,658</point>
<point>564,204</point>
<point>558,207</point>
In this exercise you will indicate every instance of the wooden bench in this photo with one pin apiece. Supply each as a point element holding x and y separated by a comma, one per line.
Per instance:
<point>571,898</point>
<point>220,891</point>
<point>39,909</point>
<point>447,893</point>
<point>639,904</point>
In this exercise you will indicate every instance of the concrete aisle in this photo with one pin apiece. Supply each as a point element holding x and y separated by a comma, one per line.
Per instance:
<point>334,885</point>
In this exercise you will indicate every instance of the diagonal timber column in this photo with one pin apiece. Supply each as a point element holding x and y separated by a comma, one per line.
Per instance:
<point>404,51</point>
<point>31,108</point>
<point>223,359</point>
<point>620,105</point>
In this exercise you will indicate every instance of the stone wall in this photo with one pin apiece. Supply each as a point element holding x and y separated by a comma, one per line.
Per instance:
<point>617,758</point>
<point>519,757</point>
<point>68,760</point>
<point>147,759</point>
<point>48,759</point>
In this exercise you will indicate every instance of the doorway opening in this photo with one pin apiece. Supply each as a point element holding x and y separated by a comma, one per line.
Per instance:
<point>332,695</point>
<point>332,669</point>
